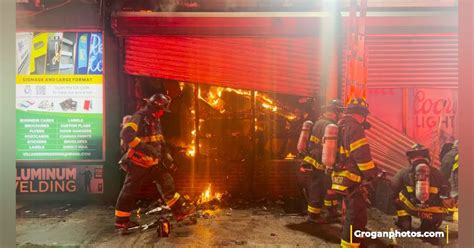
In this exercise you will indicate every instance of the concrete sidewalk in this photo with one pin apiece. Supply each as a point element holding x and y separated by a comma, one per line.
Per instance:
<point>92,226</point>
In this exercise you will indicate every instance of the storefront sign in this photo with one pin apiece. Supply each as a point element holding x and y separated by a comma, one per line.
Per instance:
<point>59,96</point>
<point>434,114</point>
<point>85,179</point>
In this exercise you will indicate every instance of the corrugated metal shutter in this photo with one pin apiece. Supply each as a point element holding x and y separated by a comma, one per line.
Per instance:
<point>273,64</point>
<point>412,60</point>
<point>388,146</point>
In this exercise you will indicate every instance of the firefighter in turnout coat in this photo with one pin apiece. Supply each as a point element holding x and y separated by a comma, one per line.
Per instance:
<point>315,182</point>
<point>146,158</point>
<point>354,166</point>
<point>420,190</point>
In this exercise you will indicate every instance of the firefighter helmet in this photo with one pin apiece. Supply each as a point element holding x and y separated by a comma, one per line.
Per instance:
<point>335,106</point>
<point>358,106</point>
<point>159,102</point>
<point>418,152</point>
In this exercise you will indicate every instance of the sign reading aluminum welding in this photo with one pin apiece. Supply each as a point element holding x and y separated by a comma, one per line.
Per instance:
<point>59,96</point>
<point>86,179</point>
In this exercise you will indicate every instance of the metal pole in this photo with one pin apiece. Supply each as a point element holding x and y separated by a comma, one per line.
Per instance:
<point>253,143</point>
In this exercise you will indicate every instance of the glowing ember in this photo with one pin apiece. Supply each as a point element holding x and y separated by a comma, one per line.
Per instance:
<point>138,213</point>
<point>207,196</point>
<point>191,151</point>
<point>239,92</point>
<point>290,156</point>
<point>213,99</point>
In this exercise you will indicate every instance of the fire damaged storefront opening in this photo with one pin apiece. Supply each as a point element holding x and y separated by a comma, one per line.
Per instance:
<point>228,140</point>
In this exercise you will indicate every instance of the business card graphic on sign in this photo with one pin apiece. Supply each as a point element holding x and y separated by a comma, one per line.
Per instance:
<point>59,115</point>
<point>65,179</point>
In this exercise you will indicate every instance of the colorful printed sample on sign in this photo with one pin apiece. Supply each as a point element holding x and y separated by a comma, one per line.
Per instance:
<point>59,96</point>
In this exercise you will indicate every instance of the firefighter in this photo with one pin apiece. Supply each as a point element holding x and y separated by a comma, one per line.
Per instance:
<point>146,158</point>
<point>354,166</point>
<point>449,169</point>
<point>315,182</point>
<point>450,166</point>
<point>420,190</point>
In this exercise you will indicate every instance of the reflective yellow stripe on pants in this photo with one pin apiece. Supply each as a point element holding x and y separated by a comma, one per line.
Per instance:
<point>313,210</point>
<point>345,244</point>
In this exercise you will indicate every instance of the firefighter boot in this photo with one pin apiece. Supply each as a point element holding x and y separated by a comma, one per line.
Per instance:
<point>314,218</point>
<point>326,218</point>
<point>403,222</point>
<point>183,209</point>
<point>332,215</point>
<point>428,226</point>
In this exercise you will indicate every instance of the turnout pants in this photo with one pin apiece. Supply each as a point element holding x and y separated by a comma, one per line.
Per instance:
<point>355,215</point>
<point>429,221</point>
<point>134,179</point>
<point>317,187</point>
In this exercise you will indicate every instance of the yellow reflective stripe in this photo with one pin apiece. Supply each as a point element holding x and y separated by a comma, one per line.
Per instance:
<point>402,213</point>
<point>356,144</point>
<point>328,203</point>
<point>119,213</point>
<point>314,210</point>
<point>455,209</point>
<point>433,190</point>
<point>314,139</point>
<point>455,166</point>
<point>153,138</point>
<point>134,142</point>
<point>406,201</point>
<point>141,159</point>
<point>342,151</point>
<point>173,200</point>
<point>132,125</point>
<point>313,162</point>
<point>349,175</point>
<point>345,244</point>
<point>366,166</point>
<point>436,210</point>
<point>338,187</point>
<point>456,158</point>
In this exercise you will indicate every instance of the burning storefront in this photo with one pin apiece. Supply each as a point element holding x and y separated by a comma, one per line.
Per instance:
<point>240,141</point>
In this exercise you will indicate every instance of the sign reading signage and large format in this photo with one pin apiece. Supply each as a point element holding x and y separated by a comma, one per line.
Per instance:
<point>59,96</point>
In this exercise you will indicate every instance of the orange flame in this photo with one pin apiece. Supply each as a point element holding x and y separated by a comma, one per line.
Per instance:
<point>290,156</point>
<point>207,196</point>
